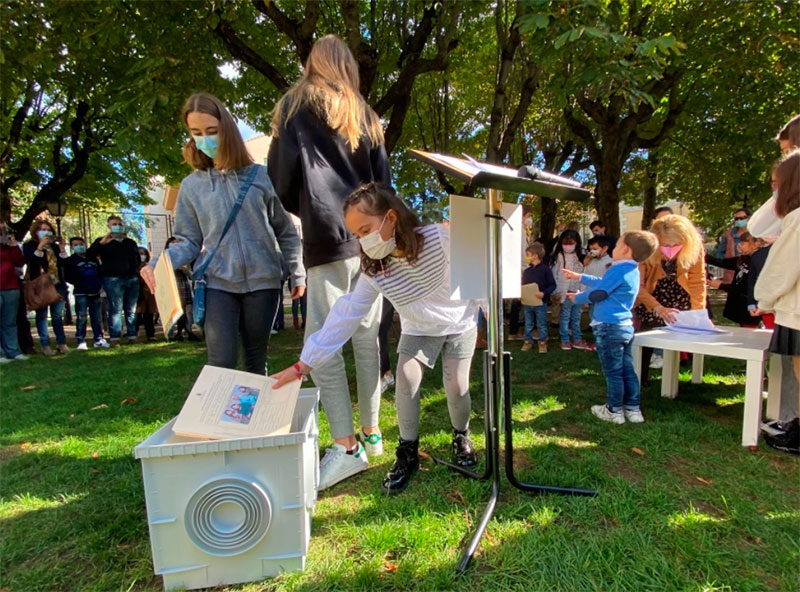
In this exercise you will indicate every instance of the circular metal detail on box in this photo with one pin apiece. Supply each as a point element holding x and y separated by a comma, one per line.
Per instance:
<point>228,516</point>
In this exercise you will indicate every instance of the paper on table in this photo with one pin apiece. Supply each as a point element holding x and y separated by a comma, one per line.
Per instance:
<point>695,322</point>
<point>168,299</point>
<point>228,403</point>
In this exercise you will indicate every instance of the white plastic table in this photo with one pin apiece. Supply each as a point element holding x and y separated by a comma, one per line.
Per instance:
<point>739,343</point>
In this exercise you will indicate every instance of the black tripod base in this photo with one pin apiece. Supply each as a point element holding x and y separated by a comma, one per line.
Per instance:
<point>492,388</point>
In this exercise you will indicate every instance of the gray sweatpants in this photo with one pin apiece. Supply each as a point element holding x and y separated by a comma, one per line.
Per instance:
<point>325,284</point>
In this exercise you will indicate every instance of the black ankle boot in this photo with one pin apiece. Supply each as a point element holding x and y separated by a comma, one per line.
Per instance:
<point>463,451</point>
<point>404,466</point>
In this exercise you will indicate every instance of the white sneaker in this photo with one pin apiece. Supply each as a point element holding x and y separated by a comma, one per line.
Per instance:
<point>21,358</point>
<point>101,343</point>
<point>82,346</point>
<point>4,360</point>
<point>373,443</point>
<point>337,465</point>
<point>387,380</point>
<point>634,416</point>
<point>603,412</point>
<point>657,361</point>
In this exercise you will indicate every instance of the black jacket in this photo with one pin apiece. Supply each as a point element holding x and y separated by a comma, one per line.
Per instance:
<point>736,303</point>
<point>313,171</point>
<point>119,258</point>
<point>84,274</point>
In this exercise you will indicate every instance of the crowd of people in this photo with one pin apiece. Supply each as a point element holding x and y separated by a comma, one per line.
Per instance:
<point>364,252</point>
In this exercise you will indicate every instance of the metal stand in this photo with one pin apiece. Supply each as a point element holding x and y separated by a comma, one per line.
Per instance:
<point>497,383</point>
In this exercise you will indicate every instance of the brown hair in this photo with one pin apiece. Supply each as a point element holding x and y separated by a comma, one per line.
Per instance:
<point>231,151</point>
<point>790,132</point>
<point>536,249</point>
<point>641,243</point>
<point>37,223</point>
<point>787,175</point>
<point>376,199</point>
<point>679,229</point>
<point>329,86</point>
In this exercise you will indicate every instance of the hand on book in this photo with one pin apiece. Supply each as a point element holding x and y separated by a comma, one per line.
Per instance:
<point>297,371</point>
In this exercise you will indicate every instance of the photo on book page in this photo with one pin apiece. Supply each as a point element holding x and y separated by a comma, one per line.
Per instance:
<point>695,322</point>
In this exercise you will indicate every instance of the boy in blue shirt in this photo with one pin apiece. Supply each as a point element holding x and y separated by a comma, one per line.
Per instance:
<point>612,297</point>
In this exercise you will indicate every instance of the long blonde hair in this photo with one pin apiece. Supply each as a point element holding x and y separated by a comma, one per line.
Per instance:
<point>330,88</point>
<point>231,152</point>
<point>679,229</point>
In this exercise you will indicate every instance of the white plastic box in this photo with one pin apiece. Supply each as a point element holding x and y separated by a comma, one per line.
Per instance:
<point>231,511</point>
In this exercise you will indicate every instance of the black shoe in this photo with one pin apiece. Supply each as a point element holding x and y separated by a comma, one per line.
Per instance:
<point>404,466</point>
<point>463,451</point>
<point>192,337</point>
<point>787,440</point>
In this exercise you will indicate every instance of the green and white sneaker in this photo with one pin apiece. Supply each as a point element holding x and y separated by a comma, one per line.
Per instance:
<point>337,465</point>
<point>373,443</point>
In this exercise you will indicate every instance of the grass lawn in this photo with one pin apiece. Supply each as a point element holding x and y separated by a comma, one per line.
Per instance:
<point>681,505</point>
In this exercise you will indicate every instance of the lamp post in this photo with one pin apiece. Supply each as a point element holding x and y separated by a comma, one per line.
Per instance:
<point>58,210</point>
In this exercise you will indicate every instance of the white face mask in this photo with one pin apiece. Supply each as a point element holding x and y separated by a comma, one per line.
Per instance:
<point>374,246</point>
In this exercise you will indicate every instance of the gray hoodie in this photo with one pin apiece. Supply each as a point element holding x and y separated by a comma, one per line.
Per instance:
<point>248,258</point>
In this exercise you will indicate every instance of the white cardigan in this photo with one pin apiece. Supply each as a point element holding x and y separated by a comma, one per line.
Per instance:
<point>778,285</point>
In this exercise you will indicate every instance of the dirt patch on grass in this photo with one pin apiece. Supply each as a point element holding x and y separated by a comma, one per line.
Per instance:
<point>9,452</point>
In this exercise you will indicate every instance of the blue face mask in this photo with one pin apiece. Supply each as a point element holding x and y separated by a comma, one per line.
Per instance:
<point>207,144</point>
<point>79,249</point>
<point>740,223</point>
<point>117,229</point>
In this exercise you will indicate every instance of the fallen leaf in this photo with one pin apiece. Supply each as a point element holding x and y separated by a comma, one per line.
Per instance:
<point>753,448</point>
<point>758,540</point>
<point>129,401</point>
<point>424,455</point>
<point>95,455</point>
<point>28,388</point>
<point>388,566</point>
<point>101,406</point>
<point>25,446</point>
<point>638,451</point>
<point>71,415</point>
<point>123,546</point>
<point>706,481</point>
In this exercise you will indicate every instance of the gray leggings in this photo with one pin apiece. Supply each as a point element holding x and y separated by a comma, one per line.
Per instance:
<point>455,377</point>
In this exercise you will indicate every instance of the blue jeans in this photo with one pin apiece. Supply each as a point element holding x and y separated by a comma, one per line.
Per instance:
<point>248,316</point>
<point>56,318</point>
<point>9,302</point>
<point>122,295</point>
<point>92,303</point>
<point>616,359</point>
<point>570,318</point>
<point>535,315</point>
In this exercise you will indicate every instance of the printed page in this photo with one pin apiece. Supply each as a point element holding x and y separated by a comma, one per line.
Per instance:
<point>227,404</point>
<point>168,298</point>
<point>693,321</point>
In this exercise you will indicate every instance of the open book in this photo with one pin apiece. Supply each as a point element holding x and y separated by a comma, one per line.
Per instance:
<point>695,322</point>
<point>226,404</point>
<point>484,174</point>
<point>168,298</point>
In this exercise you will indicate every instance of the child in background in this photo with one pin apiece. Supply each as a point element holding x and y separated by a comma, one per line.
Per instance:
<point>597,260</point>
<point>537,273</point>
<point>736,308</point>
<point>613,296</point>
<point>568,256</point>
<point>84,273</point>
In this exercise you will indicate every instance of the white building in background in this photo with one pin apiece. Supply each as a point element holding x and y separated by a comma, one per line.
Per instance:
<point>160,216</point>
<point>630,217</point>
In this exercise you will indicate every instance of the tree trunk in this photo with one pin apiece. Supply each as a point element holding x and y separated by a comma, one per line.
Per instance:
<point>650,190</point>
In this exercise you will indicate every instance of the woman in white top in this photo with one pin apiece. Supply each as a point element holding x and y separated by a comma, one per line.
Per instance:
<point>409,265</point>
